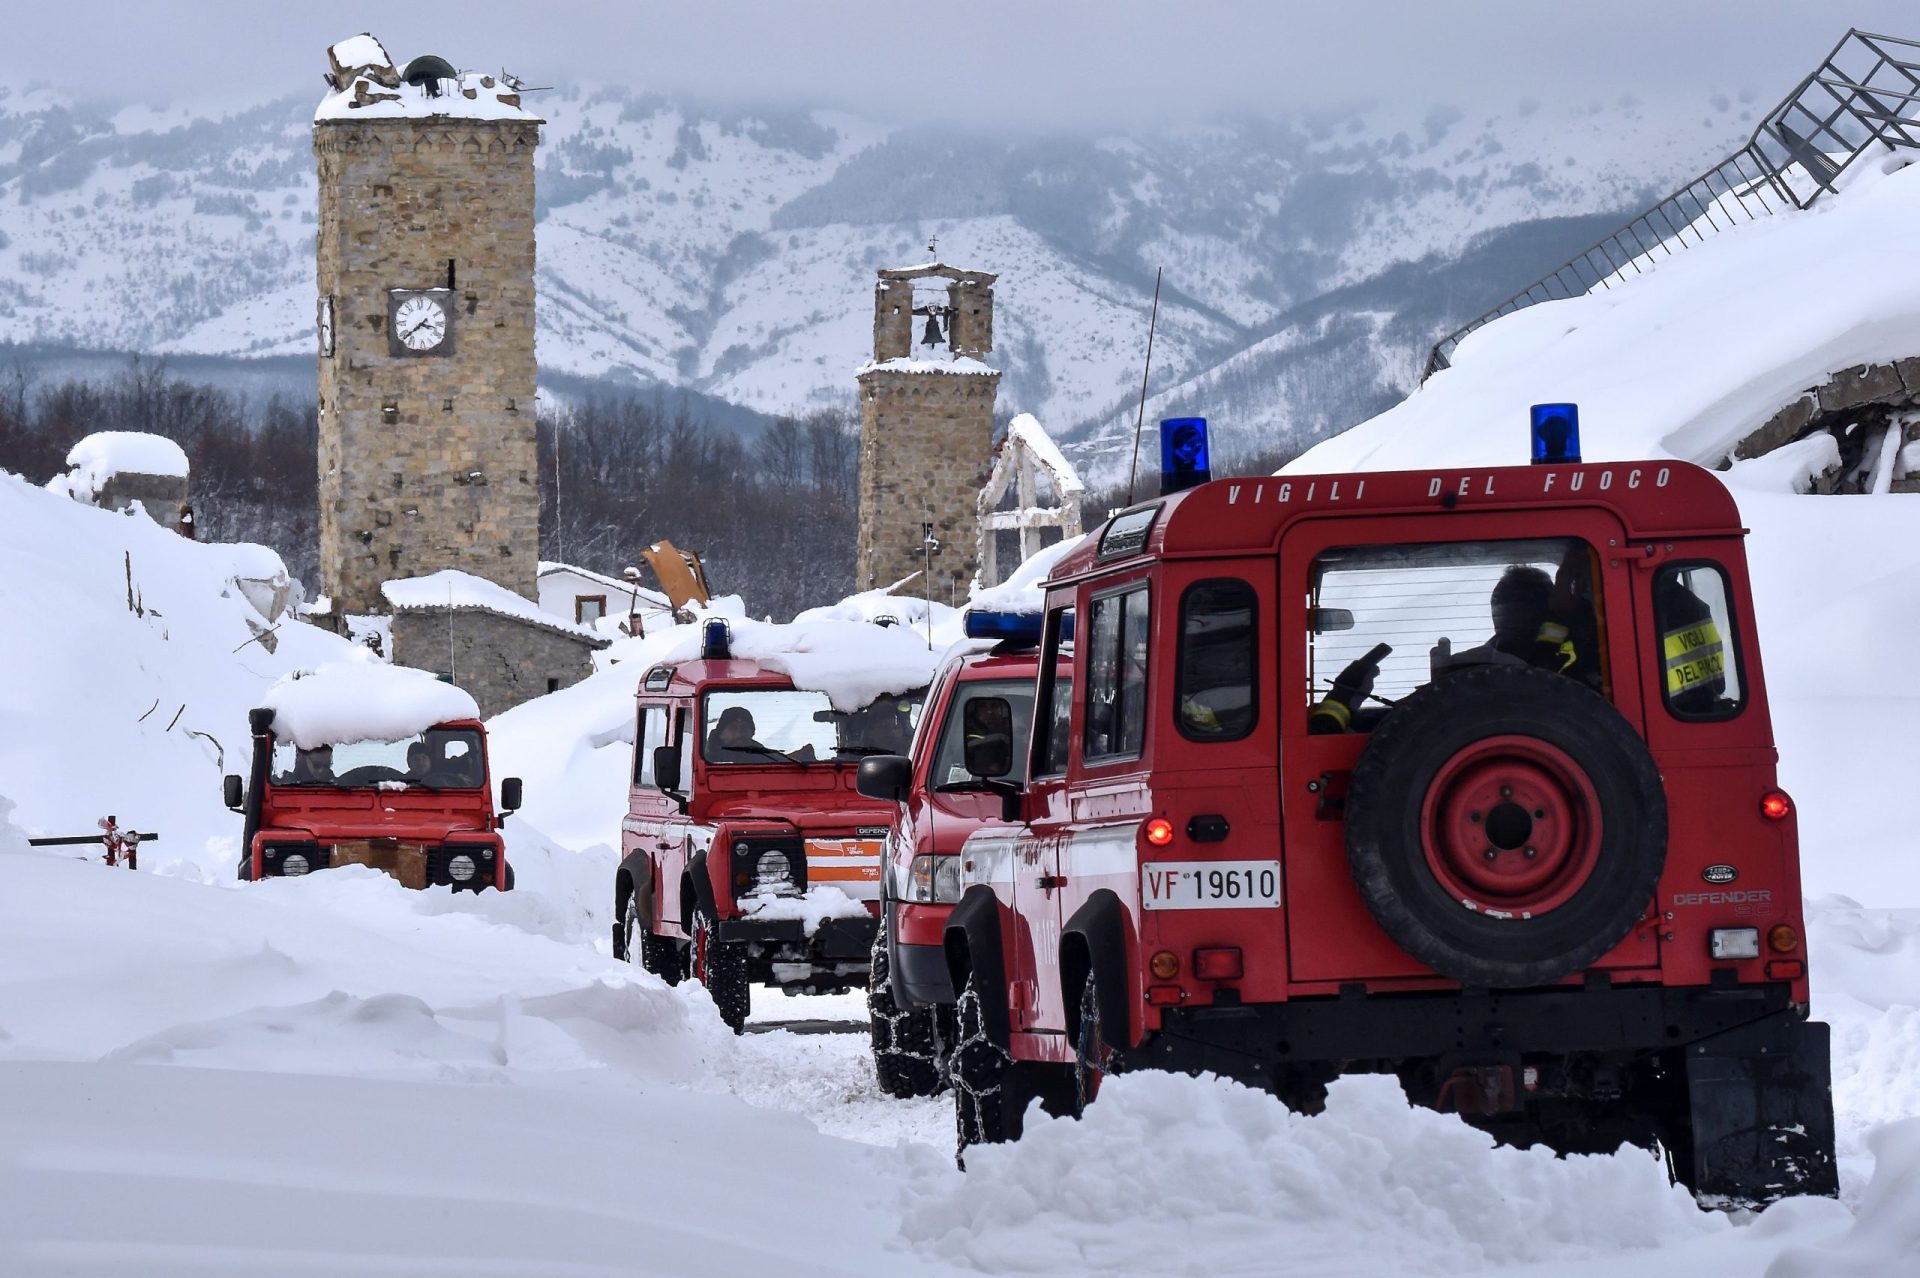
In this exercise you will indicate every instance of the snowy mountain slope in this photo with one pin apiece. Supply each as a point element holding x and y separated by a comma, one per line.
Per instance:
<point>733,251</point>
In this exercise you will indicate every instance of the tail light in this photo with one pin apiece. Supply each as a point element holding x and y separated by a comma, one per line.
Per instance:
<point>1775,805</point>
<point>1222,964</point>
<point>1159,832</point>
<point>1782,938</point>
<point>1164,995</point>
<point>1164,965</point>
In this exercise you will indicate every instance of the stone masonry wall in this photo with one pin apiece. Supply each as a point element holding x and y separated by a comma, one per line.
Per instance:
<point>500,660</point>
<point>427,462</point>
<point>1850,405</point>
<point>925,443</point>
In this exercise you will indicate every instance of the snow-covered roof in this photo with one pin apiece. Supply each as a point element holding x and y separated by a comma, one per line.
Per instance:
<point>368,85</point>
<point>964,364</point>
<point>464,592</point>
<point>362,700</point>
<point>104,454</point>
<point>657,600</point>
<point>1025,429</point>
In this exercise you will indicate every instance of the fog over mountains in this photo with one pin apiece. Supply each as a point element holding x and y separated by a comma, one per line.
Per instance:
<point>1309,261</point>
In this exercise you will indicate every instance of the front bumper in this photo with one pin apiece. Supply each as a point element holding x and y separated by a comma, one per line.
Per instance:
<point>836,940</point>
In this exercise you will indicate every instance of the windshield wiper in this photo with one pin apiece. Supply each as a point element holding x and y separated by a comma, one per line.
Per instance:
<point>862,750</point>
<point>760,749</point>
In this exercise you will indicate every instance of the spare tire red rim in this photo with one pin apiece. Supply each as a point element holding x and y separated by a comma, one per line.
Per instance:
<point>1511,827</point>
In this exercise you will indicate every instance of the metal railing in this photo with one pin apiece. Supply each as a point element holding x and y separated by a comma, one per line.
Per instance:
<point>1866,91</point>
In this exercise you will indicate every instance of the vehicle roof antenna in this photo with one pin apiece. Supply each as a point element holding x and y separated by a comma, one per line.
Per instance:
<point>1133,466</point>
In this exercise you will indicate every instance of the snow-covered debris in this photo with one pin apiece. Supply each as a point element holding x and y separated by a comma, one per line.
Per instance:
<point>1026,430</point>
<point>451,588</point>
<point>362,700</point>
<point>368,85</point>
<point>1021,593</point>
<point>101,456</point>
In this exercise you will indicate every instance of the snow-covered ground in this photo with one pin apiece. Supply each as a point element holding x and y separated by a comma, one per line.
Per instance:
<point>335,1075</point>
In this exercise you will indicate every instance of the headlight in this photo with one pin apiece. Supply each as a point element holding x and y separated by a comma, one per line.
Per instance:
<point>934,880</point>
<point>294,864</point>
<point>773,873</point>
<point>460,868</point>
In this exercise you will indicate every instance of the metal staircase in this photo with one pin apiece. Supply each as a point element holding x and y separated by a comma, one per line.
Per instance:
<point>1863,97</point>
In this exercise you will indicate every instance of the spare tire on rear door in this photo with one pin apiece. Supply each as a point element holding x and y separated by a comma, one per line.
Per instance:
<point>1506,826</point>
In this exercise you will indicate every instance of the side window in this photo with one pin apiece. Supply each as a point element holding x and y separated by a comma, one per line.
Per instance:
<point>1218,651</point>
<point>1693,621</point>
<point>1385,620</point>
<point>651,733</point>
<point>1117,675</point>
<point>1055,727</point>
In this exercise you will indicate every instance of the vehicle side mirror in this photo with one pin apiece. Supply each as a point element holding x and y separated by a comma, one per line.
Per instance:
<point>888,777</point>
<point>988,725</point>
<point>510,795</point>
<point>666,766</point>
<point>232,792</point>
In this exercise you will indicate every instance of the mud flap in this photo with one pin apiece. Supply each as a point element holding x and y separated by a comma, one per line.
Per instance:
<point>1761,1102</point>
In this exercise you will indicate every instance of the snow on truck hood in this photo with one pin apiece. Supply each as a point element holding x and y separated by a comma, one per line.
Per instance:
<point>362,701</point>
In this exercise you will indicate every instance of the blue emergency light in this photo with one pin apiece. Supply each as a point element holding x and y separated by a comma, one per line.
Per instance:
<point>1556,434</point>
<point>1021,628</point>
<point>716,640</point>
<point>1184,462</point>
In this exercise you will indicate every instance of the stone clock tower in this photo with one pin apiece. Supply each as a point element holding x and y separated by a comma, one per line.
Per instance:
<point>425,326</point>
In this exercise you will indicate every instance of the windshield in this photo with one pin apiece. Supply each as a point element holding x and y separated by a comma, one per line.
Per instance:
<point>437,759</point>
<point>950,762</point>
<point>787,725</point>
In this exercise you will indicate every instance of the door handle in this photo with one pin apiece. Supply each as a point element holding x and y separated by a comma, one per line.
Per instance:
<point>1048,882</point>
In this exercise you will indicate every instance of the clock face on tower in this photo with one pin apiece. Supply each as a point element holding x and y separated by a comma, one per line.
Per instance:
<point>420,321</point>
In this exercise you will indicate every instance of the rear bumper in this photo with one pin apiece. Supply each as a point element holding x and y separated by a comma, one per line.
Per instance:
<point>1258,1044</point>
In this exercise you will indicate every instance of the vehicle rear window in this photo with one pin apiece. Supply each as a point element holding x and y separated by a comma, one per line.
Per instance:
<point>1218,654</point>
<point>1694,625</point>
<point>1445,606</point>
<point>1116,661</point>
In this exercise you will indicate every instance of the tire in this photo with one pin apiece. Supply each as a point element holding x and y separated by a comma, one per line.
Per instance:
<point>1093,1059</point>
<point>1521,796</point>
<point>721,966</point>
<point>509,886</point>
<point>985,1109</point>
<point>906,1043</point>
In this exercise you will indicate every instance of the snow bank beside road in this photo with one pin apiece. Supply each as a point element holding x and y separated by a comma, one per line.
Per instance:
<point>1165,1170</point>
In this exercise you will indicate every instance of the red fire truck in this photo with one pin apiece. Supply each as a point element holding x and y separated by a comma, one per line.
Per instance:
<point>974,696</point>
<point>748,857</point>
<point>419,809</point>
<point>1463,776</point>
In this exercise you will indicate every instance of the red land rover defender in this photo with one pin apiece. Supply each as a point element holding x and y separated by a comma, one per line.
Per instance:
<point>748,857</point>
<point>1461,776</point>
<point>909,997</point>
<point>419,809</point>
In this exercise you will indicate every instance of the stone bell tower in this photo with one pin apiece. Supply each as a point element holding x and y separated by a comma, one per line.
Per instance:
<point>425,326</point>
<point>926,427</point>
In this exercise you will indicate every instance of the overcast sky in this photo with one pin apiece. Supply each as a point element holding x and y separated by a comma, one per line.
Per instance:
<point>1048,63</point>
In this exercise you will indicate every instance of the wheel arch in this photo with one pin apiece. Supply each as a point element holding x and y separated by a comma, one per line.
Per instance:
<point>1095,940</point>
<point>971,942</point>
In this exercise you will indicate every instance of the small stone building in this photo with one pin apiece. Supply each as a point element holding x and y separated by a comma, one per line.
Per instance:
<point>479,636</point>
<point>117,469</point>
<point>926,427</point>
<point>584,596</point>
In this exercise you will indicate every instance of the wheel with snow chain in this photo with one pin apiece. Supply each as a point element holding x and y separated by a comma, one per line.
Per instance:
<point>721,966</point>
<point>660,955</point>
<point>985,1109</point>
<point>1093,1058</point>
<point>1506,826</point>
<point>906,1042</point>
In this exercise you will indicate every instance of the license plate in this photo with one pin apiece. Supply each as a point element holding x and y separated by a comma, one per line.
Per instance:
<point>1210,885</point>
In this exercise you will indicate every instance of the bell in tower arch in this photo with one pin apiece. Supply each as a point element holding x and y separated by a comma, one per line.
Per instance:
<point>933,336</point>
